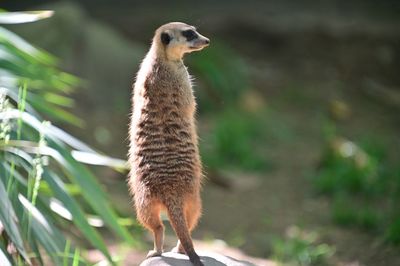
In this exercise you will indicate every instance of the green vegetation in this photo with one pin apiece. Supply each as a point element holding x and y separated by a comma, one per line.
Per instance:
<point>232,142</point>
<point>222,75</point>
<point>346,215</point>
<point>363,184</point>
<point>45,188</point>
<point>300,248</point>
<point>224,83</point>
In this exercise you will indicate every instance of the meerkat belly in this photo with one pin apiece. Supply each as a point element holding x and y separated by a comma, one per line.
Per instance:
<point>165,152</point>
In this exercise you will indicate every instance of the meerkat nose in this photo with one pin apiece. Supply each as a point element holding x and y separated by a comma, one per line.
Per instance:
<point>207,41</point>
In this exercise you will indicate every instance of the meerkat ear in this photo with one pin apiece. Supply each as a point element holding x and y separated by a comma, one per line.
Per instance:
<point>165,38</point>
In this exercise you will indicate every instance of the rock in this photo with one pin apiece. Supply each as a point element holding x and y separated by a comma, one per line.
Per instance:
<point>208,259</point>
<point>209,251</point>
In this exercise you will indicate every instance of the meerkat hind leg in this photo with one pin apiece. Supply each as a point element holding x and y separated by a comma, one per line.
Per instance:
<point>154,224</point>
<point>158,234</point>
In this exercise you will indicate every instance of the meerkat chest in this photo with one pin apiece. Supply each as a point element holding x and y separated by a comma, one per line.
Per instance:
<point>166,89</point>
<point>177,88</point>
<point>183,87</point>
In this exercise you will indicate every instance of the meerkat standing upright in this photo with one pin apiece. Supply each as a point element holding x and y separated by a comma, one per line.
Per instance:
<point>166,168</point>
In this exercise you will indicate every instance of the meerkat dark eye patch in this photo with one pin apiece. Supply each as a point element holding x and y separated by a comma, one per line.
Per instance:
<point>189,35</point>
<point>165,38</point>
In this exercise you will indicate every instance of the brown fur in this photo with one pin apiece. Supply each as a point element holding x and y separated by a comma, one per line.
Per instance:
<point>166,168</point>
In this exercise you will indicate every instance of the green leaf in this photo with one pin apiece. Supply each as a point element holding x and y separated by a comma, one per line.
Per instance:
<point>5,260</point>
<point>24,17</point>
<point>76,258</point>
<point>9,221</point>
<point>20,147</point>
<point>12,92</point>
<point>78,217</point>
<point>35,248</point>
<point>56,113</point>
<point>93,192</point>
<point>84,178</point>
<point>58,99</point>
<point>5,169</point>
<point>45,233</point>
<point>98,159</point>
<point>21,47</point>
<point>21,64</point>
<point>50,131</point>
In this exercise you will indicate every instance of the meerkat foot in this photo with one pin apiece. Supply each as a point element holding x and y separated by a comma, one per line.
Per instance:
<point>153,253</point>
<point>178,249</point>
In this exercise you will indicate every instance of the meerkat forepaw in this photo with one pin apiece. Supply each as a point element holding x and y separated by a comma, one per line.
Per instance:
<point>153,253</point>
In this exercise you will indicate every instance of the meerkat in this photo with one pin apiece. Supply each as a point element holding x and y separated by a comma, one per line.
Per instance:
<point>166,169</point>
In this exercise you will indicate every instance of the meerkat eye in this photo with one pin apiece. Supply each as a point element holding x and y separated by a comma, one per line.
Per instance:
<point>189,35</point>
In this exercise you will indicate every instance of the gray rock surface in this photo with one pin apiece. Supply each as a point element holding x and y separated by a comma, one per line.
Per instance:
<point>208,259</point>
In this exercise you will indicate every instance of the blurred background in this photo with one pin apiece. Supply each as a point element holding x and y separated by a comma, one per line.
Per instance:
<point>298,116</point>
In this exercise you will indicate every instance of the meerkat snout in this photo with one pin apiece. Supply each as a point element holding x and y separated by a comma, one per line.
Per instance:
<point>199,43</point>
<point>195,40</point>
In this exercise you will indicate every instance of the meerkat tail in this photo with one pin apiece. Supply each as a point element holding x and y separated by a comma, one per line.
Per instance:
<point>178,223</point>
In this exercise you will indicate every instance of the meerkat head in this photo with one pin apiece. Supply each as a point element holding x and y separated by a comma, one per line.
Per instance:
<point>176,39</point>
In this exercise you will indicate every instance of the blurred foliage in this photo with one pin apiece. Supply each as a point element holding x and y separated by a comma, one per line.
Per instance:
<point>346,215</point>
<point>40,163</point>
<point>86,46</point>
<point>224,83</point>
<point>233,141</point>
<point>23,62</point>
<point>362,182</point>
<point>347,167</point>
<point>300,248</point>
<point>392,233</point>
<point>222,74</point>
